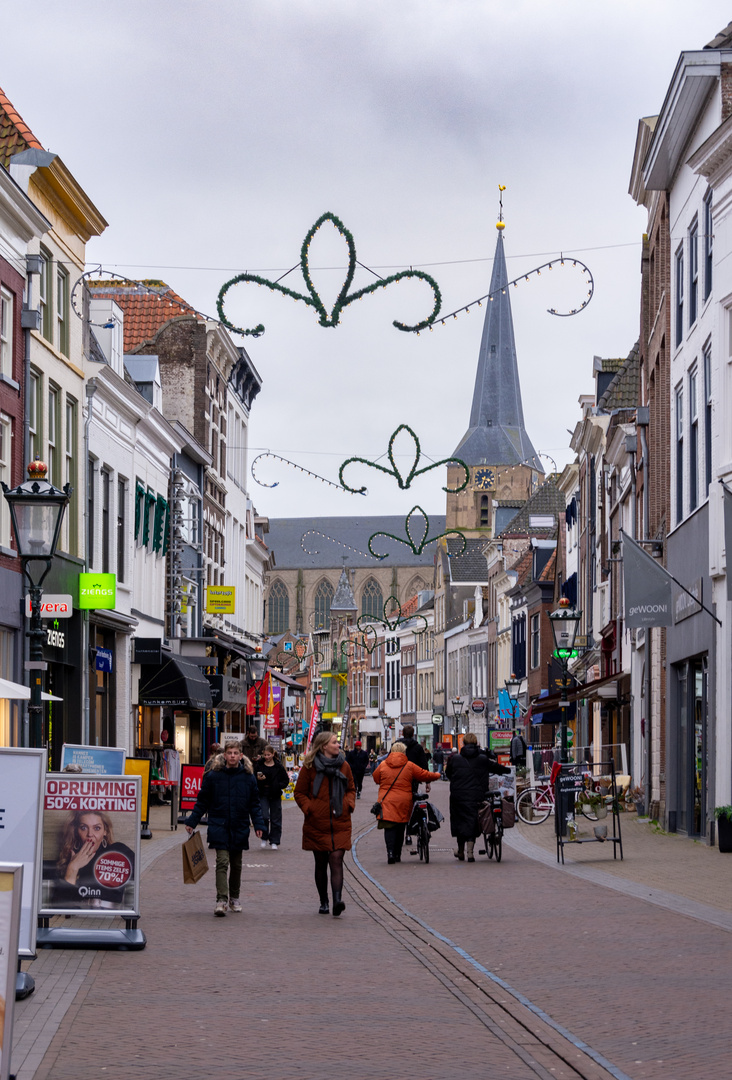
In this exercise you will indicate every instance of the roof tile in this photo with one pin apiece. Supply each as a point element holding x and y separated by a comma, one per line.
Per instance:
<point>147,307</point>
<point>15,135</point>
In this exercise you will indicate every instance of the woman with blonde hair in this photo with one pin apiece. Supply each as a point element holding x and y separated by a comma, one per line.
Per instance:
<point>326,794</point>
<point>394,776</point>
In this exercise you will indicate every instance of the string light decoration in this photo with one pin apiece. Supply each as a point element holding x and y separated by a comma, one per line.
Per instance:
<point>391,623</point>
<point>298,656</point>
<point>316,476</point>
<point>417,545</point>
<point>363,640</point>
<point>313,299</point>
<point>490,297</point>
<point>402,480</point>
<point>332,539</point>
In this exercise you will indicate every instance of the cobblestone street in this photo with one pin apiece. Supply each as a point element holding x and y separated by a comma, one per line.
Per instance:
<point>520,969</point>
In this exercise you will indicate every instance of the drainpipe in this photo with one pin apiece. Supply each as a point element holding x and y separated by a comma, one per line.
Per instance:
<point>91,389</point>
<point>642,418</point>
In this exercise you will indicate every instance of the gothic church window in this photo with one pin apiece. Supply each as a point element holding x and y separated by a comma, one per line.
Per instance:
<point>323,598</point>
<point>278,609</point>
<point>372,600</point>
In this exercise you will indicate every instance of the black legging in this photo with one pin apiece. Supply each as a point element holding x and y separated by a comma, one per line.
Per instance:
<point>324,859</point>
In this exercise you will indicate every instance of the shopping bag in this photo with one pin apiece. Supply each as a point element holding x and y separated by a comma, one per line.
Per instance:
<point>508,812</point>
<point>485,819</point>
<point>195,863</point>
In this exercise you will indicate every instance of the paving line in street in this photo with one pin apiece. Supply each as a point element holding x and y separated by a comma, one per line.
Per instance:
<point>536,1010</point>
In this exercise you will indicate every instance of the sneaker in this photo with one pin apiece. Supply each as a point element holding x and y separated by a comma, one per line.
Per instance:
<point>274,846</point>
<point>263,844</point>
<point>234,904</point>
<point>220,908</point>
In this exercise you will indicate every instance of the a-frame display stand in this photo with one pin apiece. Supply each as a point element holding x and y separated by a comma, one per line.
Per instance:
<point>571,782</point>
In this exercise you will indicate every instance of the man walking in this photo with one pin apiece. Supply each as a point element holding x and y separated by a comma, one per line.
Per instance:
<point>358,759</point>
<point>230,797</point>
<point>517,752</point>
<point>252,745</point>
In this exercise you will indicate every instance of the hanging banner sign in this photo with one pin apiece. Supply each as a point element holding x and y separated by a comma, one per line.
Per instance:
<point>314,721</point>
<point>103,660</point>
<point>52,607</point>
<point>100,760</point>
<point>191,777</point>
<point>21,799</point>
<point>647,588</point>
<point>221,599</point>
<point>11,878</point>
<point>91,845</point>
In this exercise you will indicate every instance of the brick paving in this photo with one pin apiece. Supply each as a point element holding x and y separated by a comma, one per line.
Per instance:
<point>280,991</point>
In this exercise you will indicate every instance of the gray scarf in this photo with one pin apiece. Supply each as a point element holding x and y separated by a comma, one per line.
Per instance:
<point>331,767</point>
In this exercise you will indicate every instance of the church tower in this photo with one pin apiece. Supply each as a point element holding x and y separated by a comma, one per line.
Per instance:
<point>503,463</point>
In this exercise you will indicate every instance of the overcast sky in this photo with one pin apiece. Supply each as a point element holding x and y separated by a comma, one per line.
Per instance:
<point>212,135</point>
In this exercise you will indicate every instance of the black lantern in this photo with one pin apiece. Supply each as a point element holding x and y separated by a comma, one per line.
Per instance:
<point>513,686</point>
<point>257,670</point>
<point>457,712</point>
<point>37,513</point>
<point>565,623</point>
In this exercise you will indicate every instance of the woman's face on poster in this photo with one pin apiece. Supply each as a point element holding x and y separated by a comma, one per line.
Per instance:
<point>91,830</point>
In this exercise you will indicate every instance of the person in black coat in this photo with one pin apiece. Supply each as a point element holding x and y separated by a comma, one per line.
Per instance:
<point>230,798</point>
<point>415,752</point>
<point>358,759</point>
<point>272,779</point>
<point>468,773</point>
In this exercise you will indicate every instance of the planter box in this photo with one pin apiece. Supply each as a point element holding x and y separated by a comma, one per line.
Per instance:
<point>724,834</point>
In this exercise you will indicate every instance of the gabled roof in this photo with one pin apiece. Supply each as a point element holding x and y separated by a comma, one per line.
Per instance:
<point>546,502</point>
<point>723,40</point>
<point>471,567</point>
<point>496,435</point>
<point>147,307</point>
<point>15,135</point>
<point>622,393</point>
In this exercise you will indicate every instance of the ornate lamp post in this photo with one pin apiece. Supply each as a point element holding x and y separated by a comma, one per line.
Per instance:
<point>257,670</point>
<point>565,623</point>
<point>513,686</point>
<point>37,513</point>
<point>457,712</point>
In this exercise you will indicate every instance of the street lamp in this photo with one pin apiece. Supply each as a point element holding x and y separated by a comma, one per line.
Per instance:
<point>37,513</point>
<point>513,686</point>
<point>257,669</point>
<point>457,712</point>
<point>565,623</point>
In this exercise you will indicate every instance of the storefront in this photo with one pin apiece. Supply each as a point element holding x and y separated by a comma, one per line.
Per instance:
<point>173,698</point>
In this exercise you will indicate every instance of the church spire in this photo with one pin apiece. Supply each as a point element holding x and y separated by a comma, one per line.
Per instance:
<point>496,435</point>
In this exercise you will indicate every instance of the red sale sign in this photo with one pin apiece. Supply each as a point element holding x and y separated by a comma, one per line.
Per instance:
<point>190,785</point>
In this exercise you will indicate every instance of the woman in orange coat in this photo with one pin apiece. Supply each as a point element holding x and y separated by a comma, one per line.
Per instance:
<point>326,794</point>
<point>394,776</point>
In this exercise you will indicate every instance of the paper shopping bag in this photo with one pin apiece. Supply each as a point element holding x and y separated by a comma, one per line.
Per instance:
<point>195,863</point>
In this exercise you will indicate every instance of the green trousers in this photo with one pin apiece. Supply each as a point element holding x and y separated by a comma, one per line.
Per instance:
<point>228,874</point>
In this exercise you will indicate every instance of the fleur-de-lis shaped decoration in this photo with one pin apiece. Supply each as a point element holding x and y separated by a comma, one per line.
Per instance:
<point>298,656</point>
<point>413,542</point>
<point>392,617</point>
<point>404,480</point>
<point>332,317</point>
<point>368,640</point>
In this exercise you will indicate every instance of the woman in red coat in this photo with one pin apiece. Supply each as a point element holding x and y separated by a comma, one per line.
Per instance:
<point>394,776</point>
<point>326,794</point>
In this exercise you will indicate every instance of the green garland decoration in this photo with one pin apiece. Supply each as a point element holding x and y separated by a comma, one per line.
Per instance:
<point>308,472</point>
<point>285,659</point>
<point>417,546</point>
<point>343,300</point>
<point>403,481</point>
<point>366,631</point>
<point>393,623</point>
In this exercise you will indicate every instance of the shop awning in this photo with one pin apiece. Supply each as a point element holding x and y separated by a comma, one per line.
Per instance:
<point>576,693</point>
<point>287,680</point>
<point>174,682</point>
<point>17,692</point>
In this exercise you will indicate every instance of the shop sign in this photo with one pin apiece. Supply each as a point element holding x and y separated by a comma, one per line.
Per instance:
<point>97,591</point>
<point>103,660</point>
<point>227,693</point>
<point>477,705</point>
<point>22,772</point>
<point>99,760</point>
<point>688,603</point>
<point>60,606</point>
<point>191,777</point>
<point>55,638</point>
<point>99,815</point>
<point>221,599</point>
<point>141,767</point>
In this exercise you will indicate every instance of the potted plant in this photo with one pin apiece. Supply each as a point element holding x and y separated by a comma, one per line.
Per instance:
<point>637,796</point>
<point>595,801</point>
<point>723,814</point>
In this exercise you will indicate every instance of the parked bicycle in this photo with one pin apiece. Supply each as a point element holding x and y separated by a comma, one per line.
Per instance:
<point>535,804</point>
<point>494,838</point>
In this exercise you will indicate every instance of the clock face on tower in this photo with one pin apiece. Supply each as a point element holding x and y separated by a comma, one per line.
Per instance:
<point>485,479</point>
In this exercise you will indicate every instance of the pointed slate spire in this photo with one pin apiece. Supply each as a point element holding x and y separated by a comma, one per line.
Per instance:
<point>344,602</point>
<point>497,435</point>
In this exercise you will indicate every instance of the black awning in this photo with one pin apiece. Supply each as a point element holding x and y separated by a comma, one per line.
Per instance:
<point>576,693</point>
<point>174,682</point>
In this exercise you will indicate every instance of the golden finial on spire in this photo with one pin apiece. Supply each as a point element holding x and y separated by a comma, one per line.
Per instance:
<point>500,224</point>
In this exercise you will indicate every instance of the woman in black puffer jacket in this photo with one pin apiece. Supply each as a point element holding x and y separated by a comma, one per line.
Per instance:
<point>230,797</point>
<point>468,773</point>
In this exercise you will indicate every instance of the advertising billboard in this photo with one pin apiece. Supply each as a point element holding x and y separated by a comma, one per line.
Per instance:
<point>11,876</point>
<point>91,845</point>
<point>22,772</point>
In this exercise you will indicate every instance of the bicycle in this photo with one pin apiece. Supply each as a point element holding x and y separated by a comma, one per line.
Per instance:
<point>494,840</point>
<point>419,825</point>
<point>535,805</point>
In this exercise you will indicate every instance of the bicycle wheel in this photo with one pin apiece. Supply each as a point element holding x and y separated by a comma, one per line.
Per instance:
<point>498,842</point>
<point>489,842</point>
<point>587,810</point>
<point>420,848</point>
<point>425,835</point>
<point>533,806</point>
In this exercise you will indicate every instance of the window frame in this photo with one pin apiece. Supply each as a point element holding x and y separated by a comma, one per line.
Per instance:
<point>53,441</point>
<point>35,415</point>
<point>679,306</point>
<point>708,244</point>
<point>707,368</point>
<point>62,309</point>
<point>693,439</point>
<point>7,314</point>
<point>693,237</point>
<point>45,294</point>
<point>679,428</point>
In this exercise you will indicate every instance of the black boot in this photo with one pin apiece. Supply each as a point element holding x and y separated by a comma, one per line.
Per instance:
<point>338,905</point>
<point>323,909</point>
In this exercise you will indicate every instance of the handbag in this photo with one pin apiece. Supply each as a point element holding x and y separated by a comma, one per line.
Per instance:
<point>195,863</point>
<point>377,809</point>
<point>485,819</point>
<point>508,813</point>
